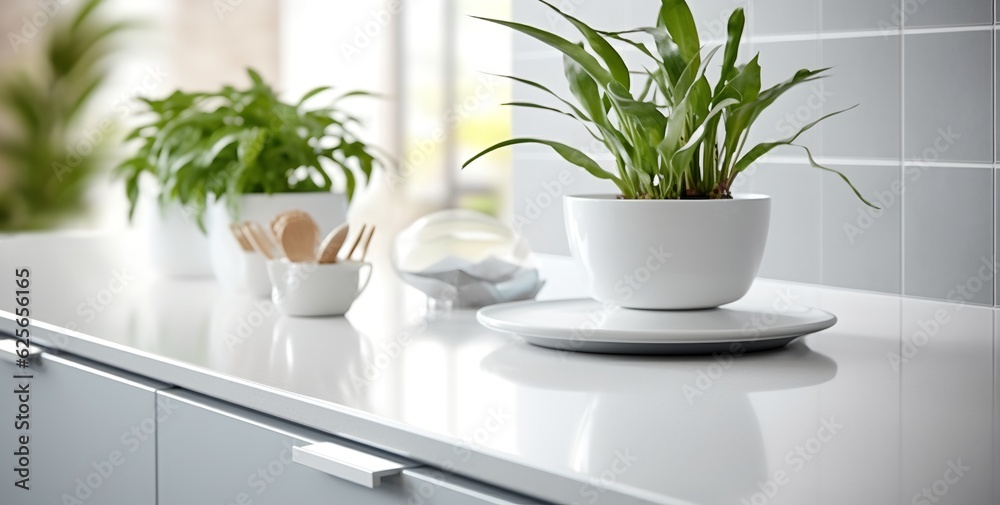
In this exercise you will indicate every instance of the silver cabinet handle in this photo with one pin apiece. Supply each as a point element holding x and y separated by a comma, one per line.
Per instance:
<point>10,352</point>
<point>348,464</point>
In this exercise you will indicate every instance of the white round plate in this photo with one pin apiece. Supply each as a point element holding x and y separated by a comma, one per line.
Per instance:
<point>589,326</point>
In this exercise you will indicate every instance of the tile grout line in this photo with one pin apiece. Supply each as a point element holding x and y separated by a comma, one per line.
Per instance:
<point>996,254</point>
<point>538,54</point>
<point>945,164</point>
<point>902,158</point>
<point>901,66</point>
<point>822,146</point>
<point>902,225</point>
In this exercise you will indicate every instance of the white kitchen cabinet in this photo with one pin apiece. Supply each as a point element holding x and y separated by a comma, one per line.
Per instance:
<point>91,429</point>
<point>215,453</point>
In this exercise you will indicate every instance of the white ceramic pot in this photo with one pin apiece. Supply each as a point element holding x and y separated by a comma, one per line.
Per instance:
<point>178,248</point>
<point>230,265</point>
<point>312,289</point>
<point>667,254</point>
<point>256,281</point>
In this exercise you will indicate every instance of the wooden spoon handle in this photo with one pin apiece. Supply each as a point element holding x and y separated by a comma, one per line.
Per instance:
<point>364,248</point>
<point>356,242</point>
<point>259,239</point>
<point>241,238</point>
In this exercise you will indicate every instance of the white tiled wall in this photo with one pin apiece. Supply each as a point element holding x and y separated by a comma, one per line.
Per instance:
<point>922,141</point>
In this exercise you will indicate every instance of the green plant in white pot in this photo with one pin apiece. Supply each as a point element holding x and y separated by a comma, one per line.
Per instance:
<point>243,154</point>
<point>674,237</point>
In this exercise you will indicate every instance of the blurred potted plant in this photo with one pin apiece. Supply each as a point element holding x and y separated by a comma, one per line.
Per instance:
<point>674,236</point>
<point>46,159</point>
<point>243,154</point>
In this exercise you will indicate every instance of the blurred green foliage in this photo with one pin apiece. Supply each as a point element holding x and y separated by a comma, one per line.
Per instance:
<point>47,157</point>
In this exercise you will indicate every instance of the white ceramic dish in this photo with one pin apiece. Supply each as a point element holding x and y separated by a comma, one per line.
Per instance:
<point>590,326</point>
<point>313,289</point>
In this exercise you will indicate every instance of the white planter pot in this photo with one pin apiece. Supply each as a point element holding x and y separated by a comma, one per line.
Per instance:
<point>237,270</point>
<point>177,247</point>
<point>667,254</point>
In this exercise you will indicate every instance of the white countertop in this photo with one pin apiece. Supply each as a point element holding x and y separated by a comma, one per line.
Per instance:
<point>879,409</point>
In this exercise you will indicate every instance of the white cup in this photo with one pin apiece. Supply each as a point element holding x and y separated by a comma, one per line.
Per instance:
<point>313,289</point>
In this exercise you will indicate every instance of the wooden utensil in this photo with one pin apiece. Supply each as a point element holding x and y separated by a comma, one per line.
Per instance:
<point>260,240</point>
<point>364,248</point>
<point>357,240</point>
<point>332,243</point>
<point>278,223</point>
<point>241,238</point>
<point>298,236</point>
<point>272,242</point>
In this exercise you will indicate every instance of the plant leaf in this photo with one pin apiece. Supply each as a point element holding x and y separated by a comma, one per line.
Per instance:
<point>571,50</point>
<point>585,89</point>
<point>745,86</point>
<point>537,106</point>
<point>616,65</point>
<point>742,118</point>
<point>843,177</point>
<point>357,92</point>
<point>568,153</point>
<point>694,72</point>
<point>84,13</point>
<point>311,93</point>
<point>676,17</point>
<point>734,34</point>
<point>761,149</point>
<point>576,110</point>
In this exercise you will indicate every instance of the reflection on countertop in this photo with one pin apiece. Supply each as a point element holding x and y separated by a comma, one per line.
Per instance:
<point>655,407</point>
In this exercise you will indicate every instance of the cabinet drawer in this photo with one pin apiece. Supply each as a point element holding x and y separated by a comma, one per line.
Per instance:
<point>91,433</point>
<point>214,453</point>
